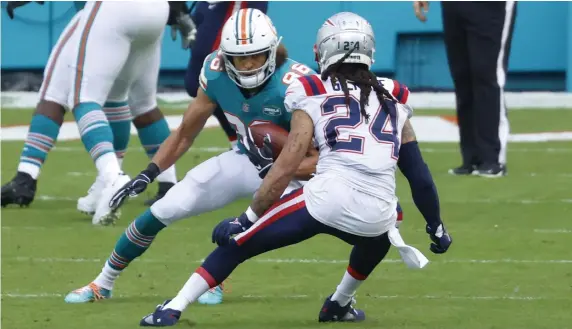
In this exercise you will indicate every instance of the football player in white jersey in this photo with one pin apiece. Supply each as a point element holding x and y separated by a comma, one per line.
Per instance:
<point>104,69</point>
<point>352,195</point>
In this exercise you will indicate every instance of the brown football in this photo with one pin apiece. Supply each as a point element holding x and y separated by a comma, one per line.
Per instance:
<point>278,136</point>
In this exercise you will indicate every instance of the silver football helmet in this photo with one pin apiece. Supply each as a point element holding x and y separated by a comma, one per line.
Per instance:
<point>342,33</point>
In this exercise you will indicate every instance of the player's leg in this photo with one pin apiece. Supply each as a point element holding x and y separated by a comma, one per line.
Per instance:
<point>366,254</point>
<point>287,222</point>
<point>45,124</point>
<point>209,28</point>
<point>102,49</point>
<point>118,115</point>
<point>456,45</point>
<point>150,122</point>
<point>209,186</point>
<point>489,42</point>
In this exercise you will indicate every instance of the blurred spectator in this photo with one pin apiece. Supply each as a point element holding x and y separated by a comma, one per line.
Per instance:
<point>477,39</point>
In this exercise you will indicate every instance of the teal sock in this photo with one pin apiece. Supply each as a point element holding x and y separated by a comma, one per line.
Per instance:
<point>135,240</point>
<point>153,135</point>
<point>42,136</point>
<point>119,117</point>
<point>94,129</point>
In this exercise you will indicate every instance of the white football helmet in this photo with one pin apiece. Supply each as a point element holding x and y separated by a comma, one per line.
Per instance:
<point>248,32</point>
<point>341,33</point>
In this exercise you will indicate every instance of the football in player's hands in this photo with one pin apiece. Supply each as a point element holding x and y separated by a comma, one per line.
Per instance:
<point>278,136</point>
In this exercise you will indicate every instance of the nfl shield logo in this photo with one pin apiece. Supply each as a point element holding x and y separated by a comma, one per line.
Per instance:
<point>245,107</point>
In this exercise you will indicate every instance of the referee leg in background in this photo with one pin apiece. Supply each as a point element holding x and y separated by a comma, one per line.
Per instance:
<point>478,37</point>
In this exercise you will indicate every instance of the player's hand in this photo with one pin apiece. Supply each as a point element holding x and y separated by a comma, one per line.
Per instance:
<point>135,186</point>
<point>421,8</point>
<point>187,28</point>
<point>228,228</point>
<point>15,4</point>
<point>440,237</point>
<point>261,157</point>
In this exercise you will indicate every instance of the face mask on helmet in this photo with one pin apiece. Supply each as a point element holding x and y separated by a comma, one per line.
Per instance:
<point>250,70</point>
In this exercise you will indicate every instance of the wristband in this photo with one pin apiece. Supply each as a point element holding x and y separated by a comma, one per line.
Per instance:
<point>251,215</point>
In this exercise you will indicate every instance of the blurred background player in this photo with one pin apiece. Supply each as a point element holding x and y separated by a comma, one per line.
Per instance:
<point>141,109</point>
<point>209,17</point>
<point>352,196</point>
<point>477,37</point>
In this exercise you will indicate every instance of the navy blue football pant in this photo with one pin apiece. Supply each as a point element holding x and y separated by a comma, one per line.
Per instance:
<point>209,27</point>
<point>289,222</point>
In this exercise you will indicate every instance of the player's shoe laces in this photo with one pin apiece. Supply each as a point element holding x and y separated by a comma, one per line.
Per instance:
<point>88,294</point>
<point>213,296</point>
<point>87,204</point>
<point>163,188</point>
<point>161,317</point>
<point>20,190</point>
<point>332,311</point>
<point>105,215</point>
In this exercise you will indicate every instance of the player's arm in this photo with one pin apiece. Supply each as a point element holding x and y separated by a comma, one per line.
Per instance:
<point>172,148</point>
<point>285,166</point>
<point>414,168</point>
<point>181,139</point>
<point>423,189</point>
<point>307,167</point>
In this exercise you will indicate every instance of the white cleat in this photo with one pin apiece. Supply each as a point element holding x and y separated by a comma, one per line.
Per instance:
<point>105,215</point>
<point>88,203</point>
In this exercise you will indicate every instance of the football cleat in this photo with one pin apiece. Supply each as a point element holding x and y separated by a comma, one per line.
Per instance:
<point>213,296</point>
<point>88,294</point>
<point>161,317</point>
<point>490,170</point>
<point>87,204</point>
<point>463,170</point>
<point>163,188</point>
<point>104,214</point>
<point>20,190</point>
<point>332,311</point>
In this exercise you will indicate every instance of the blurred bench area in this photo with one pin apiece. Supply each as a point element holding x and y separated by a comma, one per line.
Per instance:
<point>407,50</point>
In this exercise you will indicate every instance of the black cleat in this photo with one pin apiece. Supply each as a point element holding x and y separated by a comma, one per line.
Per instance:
<point>163,188</point>
<point>490,170</point>
<point>20,190</point>
<point>463,170</point>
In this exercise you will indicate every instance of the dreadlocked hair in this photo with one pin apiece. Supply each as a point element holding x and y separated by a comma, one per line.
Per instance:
<point>363,78</point>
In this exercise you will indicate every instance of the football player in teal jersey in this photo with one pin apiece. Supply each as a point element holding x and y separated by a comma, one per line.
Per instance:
<point>247,77</point>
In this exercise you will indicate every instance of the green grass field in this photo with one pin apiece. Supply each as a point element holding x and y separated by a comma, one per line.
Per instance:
<point>510,266</point>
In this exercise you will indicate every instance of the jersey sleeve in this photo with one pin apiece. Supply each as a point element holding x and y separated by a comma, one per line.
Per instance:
<point>397,89</point>
<point>208,75</point>
<point>296,99</point>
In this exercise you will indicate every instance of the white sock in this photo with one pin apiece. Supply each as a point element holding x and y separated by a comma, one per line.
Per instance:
<point>168,176</point>
<point>30,169</point>
<point>346,289</point>
<point>107,277</point>
<point>108,167</point>
<point>193,289</point>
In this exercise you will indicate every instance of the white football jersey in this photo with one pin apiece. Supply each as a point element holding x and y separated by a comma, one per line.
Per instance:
<point>366,152</point>
<point>355,153</point>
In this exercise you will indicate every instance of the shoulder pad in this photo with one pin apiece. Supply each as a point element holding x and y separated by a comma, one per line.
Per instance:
<point>397,89</point>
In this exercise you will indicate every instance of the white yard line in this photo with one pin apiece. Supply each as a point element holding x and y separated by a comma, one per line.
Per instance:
<point>467,201</point>
<point>291,260</point>
<point>436,297</point>
<point>553,231</point>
